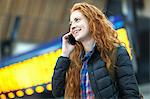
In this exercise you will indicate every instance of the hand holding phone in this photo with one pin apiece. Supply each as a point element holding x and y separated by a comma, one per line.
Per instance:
<point>68,44</point>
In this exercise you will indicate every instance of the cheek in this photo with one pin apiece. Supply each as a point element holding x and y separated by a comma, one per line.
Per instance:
<point>87,28</point>
<point>86,31</point>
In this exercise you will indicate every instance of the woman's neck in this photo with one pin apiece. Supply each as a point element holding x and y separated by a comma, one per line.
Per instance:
<point>88,44</point>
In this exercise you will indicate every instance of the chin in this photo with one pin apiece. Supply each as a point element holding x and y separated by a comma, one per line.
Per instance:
<point>78,39</point>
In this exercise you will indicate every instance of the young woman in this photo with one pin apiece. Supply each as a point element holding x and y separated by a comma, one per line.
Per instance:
<point>85,70</point>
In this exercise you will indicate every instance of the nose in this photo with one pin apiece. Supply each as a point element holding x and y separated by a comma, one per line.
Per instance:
<point>72,27</point>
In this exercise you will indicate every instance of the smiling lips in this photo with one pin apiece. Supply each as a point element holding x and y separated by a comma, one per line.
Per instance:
<point>76,31</point>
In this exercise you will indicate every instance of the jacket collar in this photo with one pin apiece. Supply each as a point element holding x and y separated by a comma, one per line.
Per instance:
<point>82,54</point>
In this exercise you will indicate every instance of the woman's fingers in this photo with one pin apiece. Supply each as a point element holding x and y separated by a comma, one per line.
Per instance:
<point>66,35</point>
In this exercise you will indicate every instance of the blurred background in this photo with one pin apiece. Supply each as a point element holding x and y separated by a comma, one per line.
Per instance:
<point>25,25</point>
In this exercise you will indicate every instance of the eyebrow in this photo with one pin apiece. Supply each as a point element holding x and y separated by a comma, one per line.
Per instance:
<point>73,19</point>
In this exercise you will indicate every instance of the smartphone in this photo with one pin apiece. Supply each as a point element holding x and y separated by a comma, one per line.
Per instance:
<point>71,38</point>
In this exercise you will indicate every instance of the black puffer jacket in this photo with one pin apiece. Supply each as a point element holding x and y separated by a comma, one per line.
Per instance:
<point>100,80</point>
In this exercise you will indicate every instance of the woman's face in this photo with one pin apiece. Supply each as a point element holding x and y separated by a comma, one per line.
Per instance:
<point>79,26</point>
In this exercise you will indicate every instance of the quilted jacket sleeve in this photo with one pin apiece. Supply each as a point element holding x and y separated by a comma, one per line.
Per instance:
<point>58,79</point>
<point>127,82</point>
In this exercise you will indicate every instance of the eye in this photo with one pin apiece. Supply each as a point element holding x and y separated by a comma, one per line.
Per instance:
<point>76,19</point>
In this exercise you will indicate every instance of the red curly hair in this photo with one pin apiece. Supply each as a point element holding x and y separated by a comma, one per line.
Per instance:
<point>106,40</point>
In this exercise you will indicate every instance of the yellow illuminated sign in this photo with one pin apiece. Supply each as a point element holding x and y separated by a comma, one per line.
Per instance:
<point>123,37</point>
<point>28,73</point>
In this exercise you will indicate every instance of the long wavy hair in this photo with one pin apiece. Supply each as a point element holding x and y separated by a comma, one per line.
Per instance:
<point>106,40</point>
